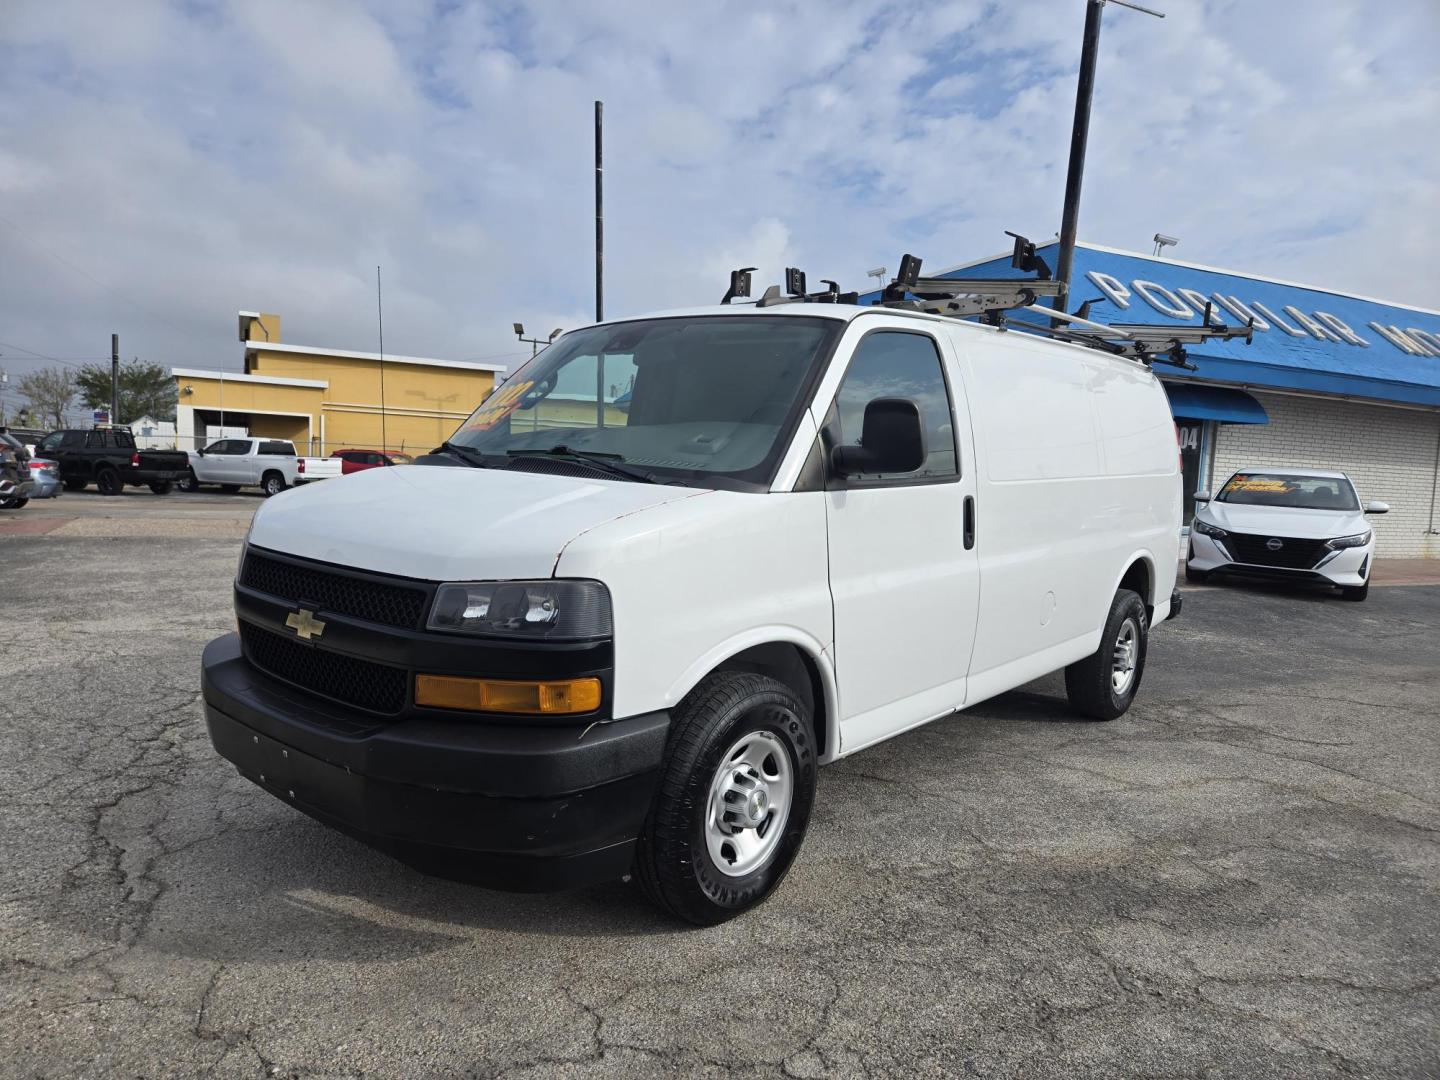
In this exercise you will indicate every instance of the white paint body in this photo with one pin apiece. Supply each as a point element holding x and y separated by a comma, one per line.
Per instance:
<point>1069,455</point>
<point>249,468</point>
<point>1348,566</point>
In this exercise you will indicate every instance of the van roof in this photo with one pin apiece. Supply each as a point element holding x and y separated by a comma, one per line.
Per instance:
<point>850,312</point>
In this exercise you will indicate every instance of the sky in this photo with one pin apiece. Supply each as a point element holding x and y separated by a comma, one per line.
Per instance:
<point>163,165</point>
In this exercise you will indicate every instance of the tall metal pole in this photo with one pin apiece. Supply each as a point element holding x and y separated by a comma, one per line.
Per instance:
<point>114,378</point>
<point>1079,136</point>
<point>599,214</point>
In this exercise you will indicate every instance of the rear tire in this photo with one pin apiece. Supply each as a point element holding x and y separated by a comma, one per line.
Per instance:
<point>188,481</point>
<point>1196,577</point>
<point>1355,592</point>
<point>737,740</point>
<point>14,504</point>
<point>1103,685</point>
<point>108,482</point>
<point>272,483</point>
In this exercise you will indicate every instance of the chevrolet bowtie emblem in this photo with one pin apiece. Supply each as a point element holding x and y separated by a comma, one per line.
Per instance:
<point>305,624</point>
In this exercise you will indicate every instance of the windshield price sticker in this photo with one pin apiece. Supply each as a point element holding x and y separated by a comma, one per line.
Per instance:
<point>1261,483</point>
<point>498,407</point>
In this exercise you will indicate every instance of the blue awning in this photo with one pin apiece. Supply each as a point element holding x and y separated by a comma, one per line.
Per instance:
<point>1221,403</point>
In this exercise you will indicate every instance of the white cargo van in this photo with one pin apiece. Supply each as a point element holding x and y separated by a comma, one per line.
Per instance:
<point>676,563</point>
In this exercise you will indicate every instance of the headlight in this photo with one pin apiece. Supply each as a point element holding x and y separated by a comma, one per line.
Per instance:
<point>1206,529</point>
<point>536,610</point>
<point>1341,542</point>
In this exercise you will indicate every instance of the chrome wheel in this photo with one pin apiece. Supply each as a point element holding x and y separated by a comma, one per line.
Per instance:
<point>1124,657</point>
<point>749,802</point>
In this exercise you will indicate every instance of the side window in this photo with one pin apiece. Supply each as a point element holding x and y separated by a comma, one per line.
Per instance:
<point>73,440</point>
<point>237,447</point>
<point>96,439</point>
<point>276,448</point>
<point>374,459</point>
<point>51,441</point>
<point>904,365</point>
<point>123,439</point>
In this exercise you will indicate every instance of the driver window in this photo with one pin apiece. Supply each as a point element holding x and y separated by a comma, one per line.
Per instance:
<point>904,365</point>
<point>52,441</point>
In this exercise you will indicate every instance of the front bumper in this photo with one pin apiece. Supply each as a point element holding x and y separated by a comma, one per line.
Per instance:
<point>526,808</point>
<point>1348,566</point>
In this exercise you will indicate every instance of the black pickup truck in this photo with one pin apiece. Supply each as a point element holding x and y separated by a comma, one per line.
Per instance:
<point>108,458</point>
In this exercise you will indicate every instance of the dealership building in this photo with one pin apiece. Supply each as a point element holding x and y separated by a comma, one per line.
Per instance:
<point>1331,380</point>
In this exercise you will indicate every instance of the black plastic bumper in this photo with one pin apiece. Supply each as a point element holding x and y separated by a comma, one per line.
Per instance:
<point>527,808</point>
<point>151,476</point>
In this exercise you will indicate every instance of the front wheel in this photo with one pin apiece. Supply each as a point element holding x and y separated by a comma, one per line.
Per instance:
<point>1103,685</point>
<point>108,482</point>
<point>734,798</point>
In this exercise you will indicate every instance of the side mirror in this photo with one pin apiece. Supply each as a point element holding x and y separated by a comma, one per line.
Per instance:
<point>1202,496</point>
<point>893,440</point>
<point>1377,508</point>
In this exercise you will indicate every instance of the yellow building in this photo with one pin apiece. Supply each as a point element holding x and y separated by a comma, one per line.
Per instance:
<point>324,400</point>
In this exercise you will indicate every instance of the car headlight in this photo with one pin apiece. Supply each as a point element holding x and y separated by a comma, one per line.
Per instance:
<point>534,610</point>
<point>1206,529</point>
<point>1342,542</point>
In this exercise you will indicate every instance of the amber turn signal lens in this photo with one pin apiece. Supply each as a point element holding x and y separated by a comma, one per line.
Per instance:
<point>557,697</point>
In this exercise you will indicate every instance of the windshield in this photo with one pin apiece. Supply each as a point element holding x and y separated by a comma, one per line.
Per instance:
<point>708,399</point>
<point>1296,492</point>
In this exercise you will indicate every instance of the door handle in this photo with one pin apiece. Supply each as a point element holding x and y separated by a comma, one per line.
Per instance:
<point>969,522</point>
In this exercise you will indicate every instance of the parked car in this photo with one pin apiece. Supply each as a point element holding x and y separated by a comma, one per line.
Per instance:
<point>269,464</point>
<point>354,461</point>
<point>1290,524</point>
<point>586,648</point>
<point>108,458</point>
<point>16,486</point>
<point>46,474</point>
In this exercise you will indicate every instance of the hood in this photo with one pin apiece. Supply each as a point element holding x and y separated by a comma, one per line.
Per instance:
<point>1284,520</point>
<point>447,524</point>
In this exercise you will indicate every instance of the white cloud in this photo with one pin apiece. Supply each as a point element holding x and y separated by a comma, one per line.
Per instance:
<point>269,154</point>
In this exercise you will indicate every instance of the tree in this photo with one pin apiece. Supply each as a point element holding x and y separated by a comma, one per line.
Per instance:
<point>50,390</point>
<point>145,390</point>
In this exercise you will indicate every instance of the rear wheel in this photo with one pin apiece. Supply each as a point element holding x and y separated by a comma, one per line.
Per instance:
<point>1103,685</point>
<point>733,801</point>
<point>272,483</point>
<point>13,504</point>
<point>108,482</point>
<point>1355,592</point>
<point>188,481</point>
<point>163,487</point>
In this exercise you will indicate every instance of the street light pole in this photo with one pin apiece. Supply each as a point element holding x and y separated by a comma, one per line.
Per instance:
<point>1079,137</point>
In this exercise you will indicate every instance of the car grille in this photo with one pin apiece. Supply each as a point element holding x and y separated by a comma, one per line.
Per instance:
<point>366,685</point>
<point>326,590</point>
<point>1293,554</point>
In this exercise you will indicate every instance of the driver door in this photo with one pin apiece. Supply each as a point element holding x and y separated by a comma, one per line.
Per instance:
<point>904,576</point>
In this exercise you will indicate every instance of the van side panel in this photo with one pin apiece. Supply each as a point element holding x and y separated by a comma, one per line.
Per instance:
<point>1079,473</point>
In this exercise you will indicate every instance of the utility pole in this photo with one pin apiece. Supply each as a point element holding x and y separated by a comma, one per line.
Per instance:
<point>1079,137</point>
<point>599,213</point>
<point>114,378</point>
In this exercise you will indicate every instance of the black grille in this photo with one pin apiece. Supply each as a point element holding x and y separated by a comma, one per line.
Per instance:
<point>373,601</point>
<point>1292,554</point>
<point>374,687</point>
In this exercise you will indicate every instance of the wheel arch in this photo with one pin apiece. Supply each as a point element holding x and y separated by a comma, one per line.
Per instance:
<point>1139,576</point>
<point>785,654</point>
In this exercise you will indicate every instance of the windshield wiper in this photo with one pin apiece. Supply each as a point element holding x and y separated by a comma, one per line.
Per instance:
<point>611,463</point>
<point>465,454</point>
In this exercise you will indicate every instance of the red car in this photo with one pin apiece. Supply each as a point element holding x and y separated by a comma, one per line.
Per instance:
<point>360,460</point>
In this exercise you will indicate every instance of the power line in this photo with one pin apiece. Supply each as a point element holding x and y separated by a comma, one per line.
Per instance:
<point>91,277</point>
<point>41,355</point>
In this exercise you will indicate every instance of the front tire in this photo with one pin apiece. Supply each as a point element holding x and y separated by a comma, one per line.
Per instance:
<point>1103,685</point>
<point>108,482</point>
<point>734,798</point>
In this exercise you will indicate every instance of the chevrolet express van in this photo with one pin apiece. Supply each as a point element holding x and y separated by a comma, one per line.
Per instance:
<point>672,566</point>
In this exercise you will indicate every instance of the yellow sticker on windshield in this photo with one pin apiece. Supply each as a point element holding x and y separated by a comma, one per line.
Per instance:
<point>497,408</point>
<point>1271,484</point>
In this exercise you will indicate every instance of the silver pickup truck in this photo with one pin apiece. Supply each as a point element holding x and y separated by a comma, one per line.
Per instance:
<point>269,464</point>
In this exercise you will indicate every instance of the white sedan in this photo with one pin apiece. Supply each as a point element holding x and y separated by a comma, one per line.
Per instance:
<point>1296,524</point>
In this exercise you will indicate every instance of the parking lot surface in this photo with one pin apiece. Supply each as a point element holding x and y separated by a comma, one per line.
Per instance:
<point>1239,878</point>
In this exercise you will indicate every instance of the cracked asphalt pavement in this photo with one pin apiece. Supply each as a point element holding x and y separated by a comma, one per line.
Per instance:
<point>1239,878</point>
